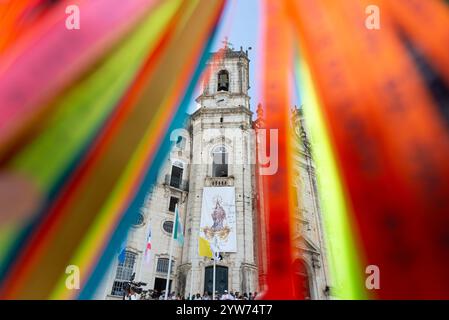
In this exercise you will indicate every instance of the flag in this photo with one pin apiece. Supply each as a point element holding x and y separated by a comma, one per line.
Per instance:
<point>148,248</point>
<point>178,236</point>
<point>215,249</point>
<point>204,248</point>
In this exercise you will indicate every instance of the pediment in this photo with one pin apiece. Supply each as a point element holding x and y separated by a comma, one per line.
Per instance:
<point>304,243</point>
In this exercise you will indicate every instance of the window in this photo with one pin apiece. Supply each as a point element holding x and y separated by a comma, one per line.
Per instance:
<point>173,202</point>
<point>223,81</point>
<point>162,265</point>
<point>176,177</point>
<point>139,220</point>
<point>124,272</point>
<point>220,162</point>
<point>168,226</point>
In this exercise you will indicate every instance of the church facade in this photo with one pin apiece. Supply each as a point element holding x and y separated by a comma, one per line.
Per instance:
<point>215,152</point>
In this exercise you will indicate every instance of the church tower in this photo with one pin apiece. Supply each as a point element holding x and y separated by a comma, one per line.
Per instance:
<point>222,161</point>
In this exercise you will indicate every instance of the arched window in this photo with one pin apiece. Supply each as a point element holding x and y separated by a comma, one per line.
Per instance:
<point>223,81</point>
<point>220,162</point>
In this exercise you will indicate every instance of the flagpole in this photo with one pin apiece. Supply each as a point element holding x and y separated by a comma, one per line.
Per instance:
<point>144,257</point>
<point>191,282</point>
<point>213,279</point>
<point>215,255</point>
<point>171,252</point>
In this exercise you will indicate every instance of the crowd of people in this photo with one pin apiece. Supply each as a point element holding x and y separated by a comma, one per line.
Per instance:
<point>225,296</point>
<point>155,295</point>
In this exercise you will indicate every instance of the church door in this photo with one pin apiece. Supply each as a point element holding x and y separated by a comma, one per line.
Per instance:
<point>159,285</point>
<point>221,279</point>
<point>302,288</point>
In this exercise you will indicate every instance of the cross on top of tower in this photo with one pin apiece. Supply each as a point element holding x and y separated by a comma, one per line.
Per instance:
<point>226,43</point>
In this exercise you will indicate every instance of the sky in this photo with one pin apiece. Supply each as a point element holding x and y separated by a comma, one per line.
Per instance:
<point>240,24</point>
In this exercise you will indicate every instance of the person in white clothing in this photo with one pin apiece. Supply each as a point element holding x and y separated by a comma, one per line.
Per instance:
<point>226,296</point>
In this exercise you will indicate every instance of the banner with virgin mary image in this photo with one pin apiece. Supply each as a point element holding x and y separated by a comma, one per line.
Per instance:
<point>218,227</point>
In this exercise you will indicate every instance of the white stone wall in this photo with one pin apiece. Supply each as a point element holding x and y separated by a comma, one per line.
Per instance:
<point>310,237</point>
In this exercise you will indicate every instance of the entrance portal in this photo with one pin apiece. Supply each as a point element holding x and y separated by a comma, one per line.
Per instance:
<point>221,279</point>
<point>302,288</point>
<point>159,285</point>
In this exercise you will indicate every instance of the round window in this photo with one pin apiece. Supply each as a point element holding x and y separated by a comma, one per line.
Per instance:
<point>139,220</point>
<point>168,226</point>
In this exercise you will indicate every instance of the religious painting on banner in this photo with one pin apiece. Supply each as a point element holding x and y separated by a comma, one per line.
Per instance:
<point>218,226</point>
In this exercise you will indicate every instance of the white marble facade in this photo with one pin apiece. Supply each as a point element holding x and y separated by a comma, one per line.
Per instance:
<point>223,119</point>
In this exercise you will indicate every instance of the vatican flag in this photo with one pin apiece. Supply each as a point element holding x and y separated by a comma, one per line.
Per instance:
<point>204,249</point>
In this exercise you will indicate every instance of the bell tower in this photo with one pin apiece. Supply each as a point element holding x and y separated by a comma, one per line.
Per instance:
<point>226,82</point>
<point>222,175</point>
